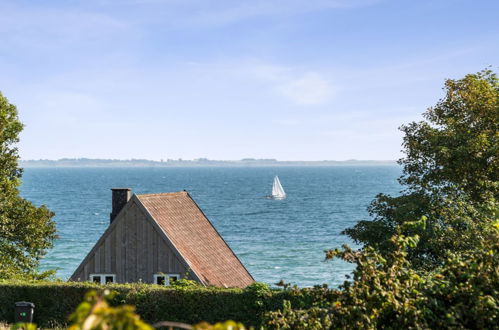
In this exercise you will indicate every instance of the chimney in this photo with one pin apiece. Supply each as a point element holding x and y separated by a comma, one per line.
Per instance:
<point>121,196</point>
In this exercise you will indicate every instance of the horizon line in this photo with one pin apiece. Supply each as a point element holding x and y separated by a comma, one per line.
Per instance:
<point>203,159</point>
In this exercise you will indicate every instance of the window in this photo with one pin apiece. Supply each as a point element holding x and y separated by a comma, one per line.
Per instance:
<point>103,278</point>
<point>165,279</point>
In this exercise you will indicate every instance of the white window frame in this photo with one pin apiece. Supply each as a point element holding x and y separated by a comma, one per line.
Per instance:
<point>102,278</point>
<point>166,276</point>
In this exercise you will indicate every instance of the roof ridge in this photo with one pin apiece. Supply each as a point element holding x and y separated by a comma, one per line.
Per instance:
<point>183,192</point>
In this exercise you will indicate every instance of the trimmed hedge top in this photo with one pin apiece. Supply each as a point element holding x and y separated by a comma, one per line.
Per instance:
<point>55,301</point>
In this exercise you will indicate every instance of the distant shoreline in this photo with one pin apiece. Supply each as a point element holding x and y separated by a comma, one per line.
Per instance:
<point>202,162</point>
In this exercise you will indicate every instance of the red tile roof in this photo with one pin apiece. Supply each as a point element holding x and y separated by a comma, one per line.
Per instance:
<point>195,238</point>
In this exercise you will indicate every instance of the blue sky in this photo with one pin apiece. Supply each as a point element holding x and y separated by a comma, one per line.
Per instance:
<point>292,80</point>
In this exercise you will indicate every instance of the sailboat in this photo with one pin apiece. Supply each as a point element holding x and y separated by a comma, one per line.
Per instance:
<point>277,190</point>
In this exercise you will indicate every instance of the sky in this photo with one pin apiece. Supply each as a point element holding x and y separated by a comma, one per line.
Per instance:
<point>232,79</point>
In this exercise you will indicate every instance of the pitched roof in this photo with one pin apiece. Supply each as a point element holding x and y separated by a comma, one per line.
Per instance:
<point>196,240</point>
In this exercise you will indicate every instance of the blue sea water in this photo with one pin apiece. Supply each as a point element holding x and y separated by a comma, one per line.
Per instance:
<point>275,239</point>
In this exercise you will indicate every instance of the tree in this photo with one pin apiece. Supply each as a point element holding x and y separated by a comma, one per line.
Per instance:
<point>26,231</point>
<point>457,147</point>
<point>431,255</point>
<point>450,175</point>
<point>387,292</point>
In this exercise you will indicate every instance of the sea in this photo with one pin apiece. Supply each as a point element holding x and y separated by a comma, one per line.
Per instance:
<point>275,239</point>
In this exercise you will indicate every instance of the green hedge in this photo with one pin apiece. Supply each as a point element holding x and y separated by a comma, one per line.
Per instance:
<point>55,301</point>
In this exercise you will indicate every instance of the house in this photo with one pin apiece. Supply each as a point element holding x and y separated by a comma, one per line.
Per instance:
<point>160,238</point>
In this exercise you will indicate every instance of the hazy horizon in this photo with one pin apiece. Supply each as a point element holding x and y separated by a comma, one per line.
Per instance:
<point>207,159</point>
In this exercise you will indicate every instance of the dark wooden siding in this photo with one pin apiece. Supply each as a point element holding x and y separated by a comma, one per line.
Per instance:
<point>133,249</point>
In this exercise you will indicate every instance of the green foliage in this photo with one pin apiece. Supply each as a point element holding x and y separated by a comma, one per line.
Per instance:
<point>289,318</point>
<point>23,326</point>
<point>26,231</point>
<point>388,293</point>
<point>55,300</point>
<point>95,313</point>
<point>441,271</point>
<point>457,146</point>
<point>227,325</point>
<point>185,283</point>
<point>450,175</point>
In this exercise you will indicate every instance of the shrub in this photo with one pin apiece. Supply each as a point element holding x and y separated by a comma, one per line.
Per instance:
<point>55,301</point>
<point>387,293</point>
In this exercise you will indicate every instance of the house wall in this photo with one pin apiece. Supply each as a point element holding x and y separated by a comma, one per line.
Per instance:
<point>132,249</point>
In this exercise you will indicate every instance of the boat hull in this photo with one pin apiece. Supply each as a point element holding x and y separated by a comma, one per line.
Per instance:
<point>276,197</point>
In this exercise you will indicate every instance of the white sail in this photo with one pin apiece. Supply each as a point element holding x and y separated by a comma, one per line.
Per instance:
<point>277,190</point>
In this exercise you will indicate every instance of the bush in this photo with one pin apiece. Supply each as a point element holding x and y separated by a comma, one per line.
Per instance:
<point>95,313</point>
<point>55,301</point>
<point>387,293</point>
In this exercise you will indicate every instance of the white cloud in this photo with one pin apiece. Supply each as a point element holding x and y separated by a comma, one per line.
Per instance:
<point>299,86</point>
<point>309,89</point>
